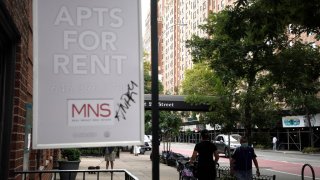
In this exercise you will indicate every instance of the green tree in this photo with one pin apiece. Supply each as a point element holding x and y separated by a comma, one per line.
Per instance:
<point>203,87</point>
<point>296,69</point>
<point>244,46</point>
<point>199,80</point>
<point>274,16</point>
<point>239,59</point>
<point>169,125</point>
<point>147,90</point>
<point>148,122</point>
<point>147,78</point>
<point>297,76</point>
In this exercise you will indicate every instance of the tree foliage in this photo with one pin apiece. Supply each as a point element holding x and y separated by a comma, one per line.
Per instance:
<point>238,58</point>
<point>199,80</point>
<point>274,15</point>
<point>147,90</point>
<point>249,50</point>
<point>169,122</point>
<point>297,76</point>
<point>148,80</point>
<point>203,86</point>
<point>169,125</point>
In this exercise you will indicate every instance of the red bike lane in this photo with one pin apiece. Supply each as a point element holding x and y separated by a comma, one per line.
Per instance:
<point>287,167</point>
<point>265,164</point>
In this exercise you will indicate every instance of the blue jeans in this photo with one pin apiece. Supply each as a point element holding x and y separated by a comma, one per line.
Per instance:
<point>243,175</point>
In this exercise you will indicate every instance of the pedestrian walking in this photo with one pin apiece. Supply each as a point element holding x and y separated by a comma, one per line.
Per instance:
<point>136,150</point>
<point>205,151</point>
<point>241,161</point>
<point>274,143</point>
<point>110,155</point>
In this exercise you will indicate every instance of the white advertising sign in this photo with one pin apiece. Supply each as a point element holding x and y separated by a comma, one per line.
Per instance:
<point>300,121</point>
<point>293,121</point>
<point>88,76</point>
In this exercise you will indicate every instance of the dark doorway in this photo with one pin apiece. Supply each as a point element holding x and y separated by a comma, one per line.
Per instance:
<point>8,40</point>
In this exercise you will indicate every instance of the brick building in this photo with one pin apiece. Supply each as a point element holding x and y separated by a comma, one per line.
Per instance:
<point>16,64</point>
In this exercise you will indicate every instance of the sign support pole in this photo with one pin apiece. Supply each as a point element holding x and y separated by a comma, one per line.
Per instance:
<point>155,90</point>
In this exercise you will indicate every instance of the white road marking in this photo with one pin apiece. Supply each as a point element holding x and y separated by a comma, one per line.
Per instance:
<point>289,173</point>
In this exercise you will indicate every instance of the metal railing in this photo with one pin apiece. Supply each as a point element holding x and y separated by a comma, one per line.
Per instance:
<point>55,174</point>
<point>312,171</point>
<point>224,171</point>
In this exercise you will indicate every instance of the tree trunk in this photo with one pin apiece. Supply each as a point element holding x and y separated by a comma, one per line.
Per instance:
<point>248,123</point>
<point>310,130</point>
<point>247,109</point>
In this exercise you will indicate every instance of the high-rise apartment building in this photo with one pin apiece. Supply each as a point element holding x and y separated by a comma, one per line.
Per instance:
<point>168,43</point>
<point>178,20</point>
<point>192,14</point>
<point>147,36</point>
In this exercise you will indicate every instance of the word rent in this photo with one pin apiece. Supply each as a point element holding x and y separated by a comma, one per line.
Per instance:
<point>81,47</point>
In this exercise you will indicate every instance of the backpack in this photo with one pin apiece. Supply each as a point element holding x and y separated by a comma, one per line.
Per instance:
<point>109,150</point>
<point>186,172</point>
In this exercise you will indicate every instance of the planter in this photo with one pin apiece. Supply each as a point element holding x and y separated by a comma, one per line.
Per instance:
<point>68,165</point>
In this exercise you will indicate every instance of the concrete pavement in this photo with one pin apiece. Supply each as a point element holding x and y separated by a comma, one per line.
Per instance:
<point>139,166</point>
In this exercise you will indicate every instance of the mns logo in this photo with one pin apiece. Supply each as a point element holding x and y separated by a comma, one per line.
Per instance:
<point>90,108</point>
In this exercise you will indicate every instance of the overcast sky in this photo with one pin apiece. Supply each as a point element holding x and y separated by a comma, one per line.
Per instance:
<point>145,6</point>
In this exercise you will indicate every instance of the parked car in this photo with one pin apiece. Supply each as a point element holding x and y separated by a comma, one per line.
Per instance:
<point>150,137</point>
<point>142,149</point>
<point>236,136</point>
<point>222,143</point>
<point>147,143</point>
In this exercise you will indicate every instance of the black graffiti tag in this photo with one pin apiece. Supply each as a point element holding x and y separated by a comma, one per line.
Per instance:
<point>126,101</point>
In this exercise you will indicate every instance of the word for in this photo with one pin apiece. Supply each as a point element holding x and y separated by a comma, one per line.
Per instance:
<point>89,40</point>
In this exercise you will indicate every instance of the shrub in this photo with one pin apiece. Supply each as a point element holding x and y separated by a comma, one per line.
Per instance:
<point>310,150</point>
<point>71,154</point>
<point>259,146</point>
<point>98,151</point>
<point>261,138</point>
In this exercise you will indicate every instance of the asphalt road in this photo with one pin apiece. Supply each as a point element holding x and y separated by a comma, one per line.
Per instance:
<point>286,165</point>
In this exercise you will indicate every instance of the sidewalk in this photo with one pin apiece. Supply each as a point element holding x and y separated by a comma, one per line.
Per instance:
<point>139,166</point>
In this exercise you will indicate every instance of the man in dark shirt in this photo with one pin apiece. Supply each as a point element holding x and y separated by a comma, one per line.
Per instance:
<point>241,161</point>
<point>205,150</point>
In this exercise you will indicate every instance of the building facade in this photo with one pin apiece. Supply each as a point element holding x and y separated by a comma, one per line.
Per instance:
<point>178,20</point>
<point>16,66</point>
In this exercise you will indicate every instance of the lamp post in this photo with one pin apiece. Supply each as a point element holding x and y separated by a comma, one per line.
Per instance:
<point>155,90</point>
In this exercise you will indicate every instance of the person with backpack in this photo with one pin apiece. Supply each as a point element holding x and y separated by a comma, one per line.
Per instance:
<point>110,155</point>
<point>208,157</point>
<point>241,161</point>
